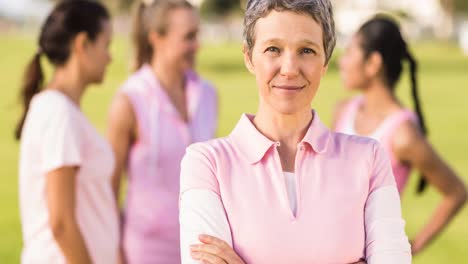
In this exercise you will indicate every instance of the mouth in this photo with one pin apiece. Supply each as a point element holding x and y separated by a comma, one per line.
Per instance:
<point>291,88</point>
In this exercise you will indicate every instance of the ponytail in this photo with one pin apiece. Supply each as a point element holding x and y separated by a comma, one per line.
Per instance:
<point>143,49</point>
<point>32,83</point>
<point>417,107</point>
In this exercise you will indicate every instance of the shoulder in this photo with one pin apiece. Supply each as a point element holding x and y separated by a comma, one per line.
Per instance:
<point>121,111</point>
<point>132,95</point>
<point>206,86</point>
<point>353,141</point>
<point>54,106</point>
<point>406,136</point>
<point>211,149</point>
<point>356,148</point>
<point>134,83</point>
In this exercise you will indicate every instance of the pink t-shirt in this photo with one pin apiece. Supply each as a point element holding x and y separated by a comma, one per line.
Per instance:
<point>335,176</point>
<point>151,227</point>
<point>384,134</point>
<point>57,134</point>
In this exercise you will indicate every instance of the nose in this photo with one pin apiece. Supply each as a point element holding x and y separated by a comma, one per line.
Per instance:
<point>289,65</point>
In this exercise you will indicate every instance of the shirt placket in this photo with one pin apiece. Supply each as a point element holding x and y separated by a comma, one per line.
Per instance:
<point>298,174</point>
<point>279,176</point>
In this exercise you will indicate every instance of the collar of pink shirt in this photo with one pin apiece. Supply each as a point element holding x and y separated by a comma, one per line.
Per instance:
<point>193,89</point>
<point>255,148</point>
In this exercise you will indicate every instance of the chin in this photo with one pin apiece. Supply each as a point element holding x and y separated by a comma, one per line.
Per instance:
<point>288,109</point>
<point>350,88</point>
<point>98,80</point>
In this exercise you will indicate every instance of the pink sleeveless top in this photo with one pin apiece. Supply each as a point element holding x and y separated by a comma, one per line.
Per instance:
<point>384,134</point>
<point>151,226</point>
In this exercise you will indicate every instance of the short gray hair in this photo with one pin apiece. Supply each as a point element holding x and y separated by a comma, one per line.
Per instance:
<point>320,10</point>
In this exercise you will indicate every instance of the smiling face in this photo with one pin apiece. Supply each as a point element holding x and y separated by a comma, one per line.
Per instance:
<point>179,45</point>
<point>288,60</point>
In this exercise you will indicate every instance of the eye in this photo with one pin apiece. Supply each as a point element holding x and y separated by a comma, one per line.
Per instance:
<point>308,51</point>
<point>272,49</point>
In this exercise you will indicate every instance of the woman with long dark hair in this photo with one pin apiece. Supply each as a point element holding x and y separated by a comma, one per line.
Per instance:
<point>372,64</point>
<point>68,212</point>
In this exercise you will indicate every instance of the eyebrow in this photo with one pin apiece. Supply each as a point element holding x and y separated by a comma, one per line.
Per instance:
<point>304,41</point>
<point>312,43</point>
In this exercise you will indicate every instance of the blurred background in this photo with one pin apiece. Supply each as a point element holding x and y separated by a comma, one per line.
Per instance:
<point>437,31</point>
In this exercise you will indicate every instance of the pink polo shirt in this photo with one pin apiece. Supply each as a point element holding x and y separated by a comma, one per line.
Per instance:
<point>347,202</point>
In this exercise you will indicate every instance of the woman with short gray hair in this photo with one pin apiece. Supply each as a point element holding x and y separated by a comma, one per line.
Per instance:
<point>282,188</point>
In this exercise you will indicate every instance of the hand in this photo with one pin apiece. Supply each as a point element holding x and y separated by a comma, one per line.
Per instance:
<point>415,247</point>
<point>214,251</point>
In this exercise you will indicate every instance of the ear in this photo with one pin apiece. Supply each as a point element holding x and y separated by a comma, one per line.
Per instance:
<point>80,43</point>
<point>248,59</point>
<point>154,38</point>
<point>374,64</point>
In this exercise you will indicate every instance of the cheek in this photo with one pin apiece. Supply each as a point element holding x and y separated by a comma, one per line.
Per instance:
<point>351,69</point>
<point>265,69</point>
<point>313,71</point>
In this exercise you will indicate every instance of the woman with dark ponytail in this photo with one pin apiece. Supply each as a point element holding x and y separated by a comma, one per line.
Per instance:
<point>68,212</point>
<point>163,107</point>
<point>373,63</point>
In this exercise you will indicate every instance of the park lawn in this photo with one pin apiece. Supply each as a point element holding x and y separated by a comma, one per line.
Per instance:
<point>443,87</point>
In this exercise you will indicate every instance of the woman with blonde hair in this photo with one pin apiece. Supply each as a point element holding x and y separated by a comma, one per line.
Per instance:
<point>160,109</point>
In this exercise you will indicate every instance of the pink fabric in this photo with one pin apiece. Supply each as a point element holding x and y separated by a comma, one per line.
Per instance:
<point>57,134</point>
<point>151,228</point>
<point>384,134</point>
<point>335,174</point>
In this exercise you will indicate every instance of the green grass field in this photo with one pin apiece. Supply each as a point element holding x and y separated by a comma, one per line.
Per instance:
<point>443,82</point>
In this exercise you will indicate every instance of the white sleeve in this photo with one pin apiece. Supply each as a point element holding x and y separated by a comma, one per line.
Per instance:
<point>201,212</point>
<point>62,140</point>
<point>386,241</point>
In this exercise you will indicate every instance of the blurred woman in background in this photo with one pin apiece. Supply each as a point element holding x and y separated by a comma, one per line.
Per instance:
<point>68,211</point>
<point>372,64</point>
<point>162,108</point>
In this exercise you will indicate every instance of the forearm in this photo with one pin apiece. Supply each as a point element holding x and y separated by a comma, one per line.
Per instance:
<point>71,242</point>
<point>442,216</point>
<point>201,212</point>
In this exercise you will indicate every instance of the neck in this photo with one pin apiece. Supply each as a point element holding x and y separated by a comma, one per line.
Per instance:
<point>288,129</point>
<point>378,98</point>
<point>69,82</point>
<point>171,78</point>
